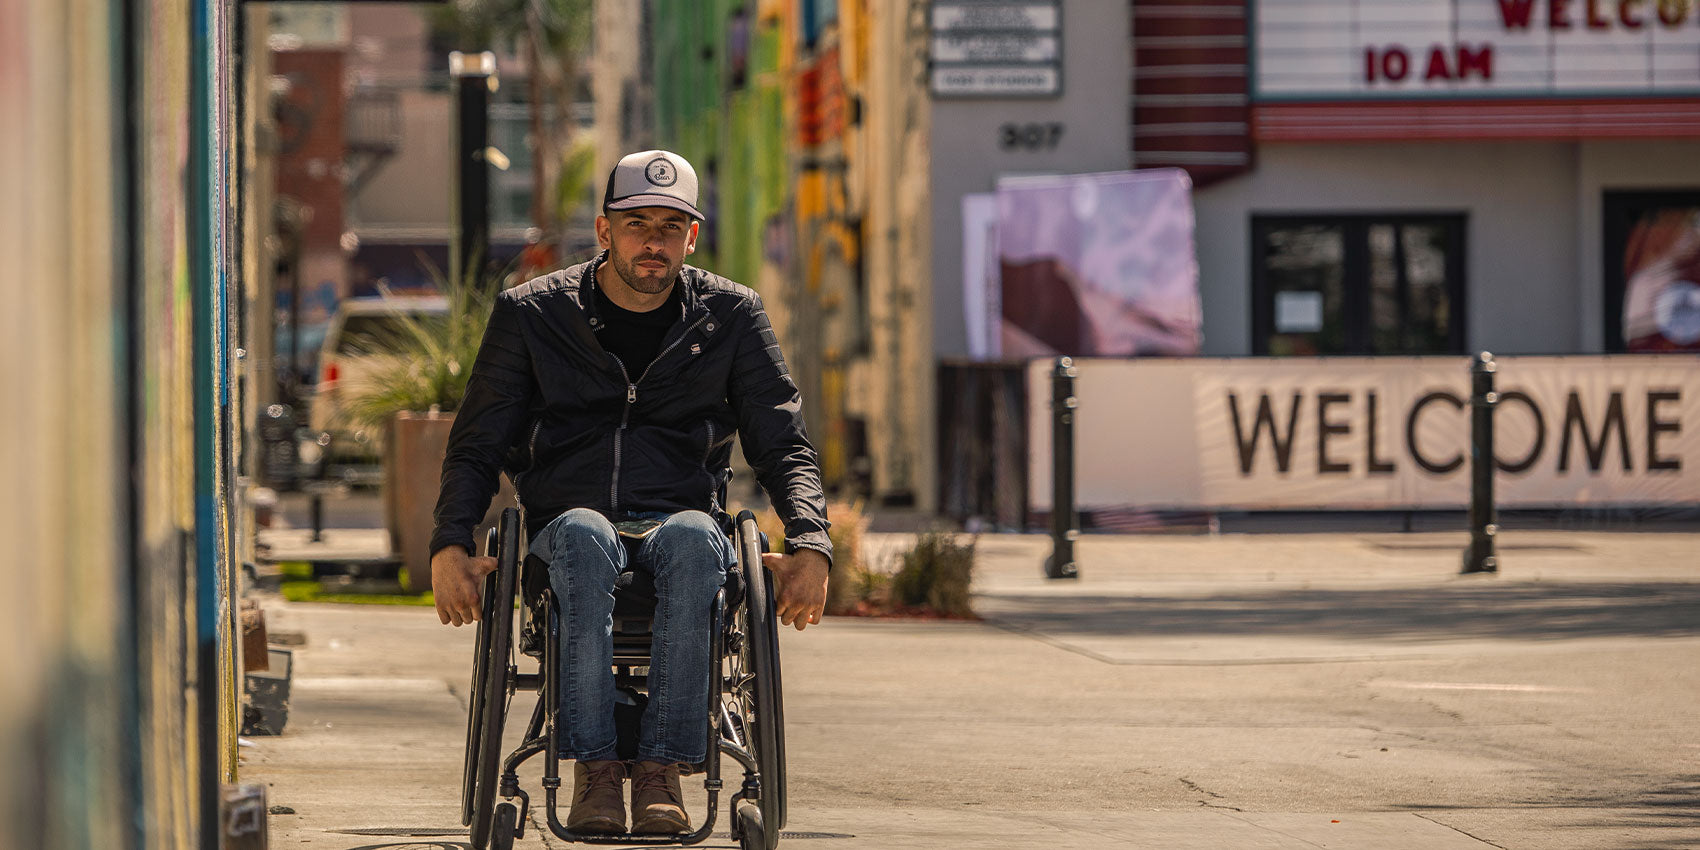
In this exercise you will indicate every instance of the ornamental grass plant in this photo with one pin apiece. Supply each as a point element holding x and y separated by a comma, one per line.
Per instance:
<point>932,578</point>
<point>936,575</point>
<point>425,364</point>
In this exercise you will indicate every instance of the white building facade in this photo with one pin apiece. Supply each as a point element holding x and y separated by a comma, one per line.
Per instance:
<point>1435,176</point>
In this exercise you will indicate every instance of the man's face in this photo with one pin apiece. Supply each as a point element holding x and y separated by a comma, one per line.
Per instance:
<point>648,245</point>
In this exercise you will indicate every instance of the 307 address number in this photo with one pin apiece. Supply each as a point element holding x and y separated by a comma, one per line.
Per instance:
<point>1031,137</point>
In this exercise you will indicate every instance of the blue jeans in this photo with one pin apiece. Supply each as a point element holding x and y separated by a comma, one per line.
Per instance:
<point>688,556</point>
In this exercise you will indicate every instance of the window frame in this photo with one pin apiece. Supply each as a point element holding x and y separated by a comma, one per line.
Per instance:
<point>1355,295</point>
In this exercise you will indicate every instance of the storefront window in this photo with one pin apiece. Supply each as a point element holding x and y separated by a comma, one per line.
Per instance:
<point>1358,285</point>
<point>1652,254</point>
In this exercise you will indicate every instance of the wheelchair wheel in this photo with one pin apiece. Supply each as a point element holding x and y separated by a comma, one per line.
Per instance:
<point>758,690</point>
<point>489,694</point>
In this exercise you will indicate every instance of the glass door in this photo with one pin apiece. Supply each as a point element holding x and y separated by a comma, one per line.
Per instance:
<point>1327,285</point>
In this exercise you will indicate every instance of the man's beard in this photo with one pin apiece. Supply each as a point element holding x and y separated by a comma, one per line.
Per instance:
<point>628,271</point>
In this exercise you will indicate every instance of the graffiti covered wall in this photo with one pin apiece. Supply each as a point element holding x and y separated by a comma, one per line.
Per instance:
<point>802,116</point>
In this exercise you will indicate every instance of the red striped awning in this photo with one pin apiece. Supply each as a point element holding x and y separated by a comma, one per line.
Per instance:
<point>1191,99</point>
<point>1377,121</point>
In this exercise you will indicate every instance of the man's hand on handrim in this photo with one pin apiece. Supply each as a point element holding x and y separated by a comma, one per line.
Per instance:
<point>799,590</point>
<point>457,578</point>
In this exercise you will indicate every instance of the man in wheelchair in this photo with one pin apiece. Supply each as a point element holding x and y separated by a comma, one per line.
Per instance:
<point>610,392</point>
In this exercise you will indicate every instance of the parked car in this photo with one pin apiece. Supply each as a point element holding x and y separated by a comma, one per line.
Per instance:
<point>360,329</point>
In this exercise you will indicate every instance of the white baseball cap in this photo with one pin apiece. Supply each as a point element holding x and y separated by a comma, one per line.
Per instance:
<point>653,179</point>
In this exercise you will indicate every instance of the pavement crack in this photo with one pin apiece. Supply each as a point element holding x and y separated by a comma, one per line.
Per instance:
<point>1198,789</point>
<point>1437,708</point>
<point>1056,643</point>
<point>1464,833</point>
<point>1210,805</point>
<point>540,825</point>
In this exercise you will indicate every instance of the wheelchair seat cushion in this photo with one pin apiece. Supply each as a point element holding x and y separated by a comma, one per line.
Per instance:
<point>634,590</point>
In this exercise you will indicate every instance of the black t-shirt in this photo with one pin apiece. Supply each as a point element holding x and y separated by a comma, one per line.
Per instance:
<point>636,338</point>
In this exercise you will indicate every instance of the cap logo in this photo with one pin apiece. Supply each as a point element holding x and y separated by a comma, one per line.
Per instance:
<point>661,172</point>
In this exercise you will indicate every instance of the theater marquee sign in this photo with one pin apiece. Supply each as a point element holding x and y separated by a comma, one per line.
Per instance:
<point>1374,432</point>
<point>1380,49</point>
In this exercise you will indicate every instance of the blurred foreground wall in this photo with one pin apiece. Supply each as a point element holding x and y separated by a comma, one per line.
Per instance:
<point>116,713</point>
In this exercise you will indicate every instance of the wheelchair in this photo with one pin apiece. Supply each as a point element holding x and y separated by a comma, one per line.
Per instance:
<point>745,711</point>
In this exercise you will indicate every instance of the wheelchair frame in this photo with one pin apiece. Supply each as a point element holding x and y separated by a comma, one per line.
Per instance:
<point>745,708</point>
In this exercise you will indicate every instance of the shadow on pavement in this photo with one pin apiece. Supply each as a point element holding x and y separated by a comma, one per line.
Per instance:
<point>1676,805</point>
<point>1518,611</point>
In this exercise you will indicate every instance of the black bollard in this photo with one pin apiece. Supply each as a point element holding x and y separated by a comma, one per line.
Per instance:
<point>1479,557</point>
<point>1065,519</point>
<point>316,487</point>
<point>316,507</point>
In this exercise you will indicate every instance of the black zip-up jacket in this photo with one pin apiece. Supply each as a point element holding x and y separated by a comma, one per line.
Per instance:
<point>574,430</point>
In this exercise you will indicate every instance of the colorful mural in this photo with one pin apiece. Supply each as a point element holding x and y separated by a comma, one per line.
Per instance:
<point>758,94</point>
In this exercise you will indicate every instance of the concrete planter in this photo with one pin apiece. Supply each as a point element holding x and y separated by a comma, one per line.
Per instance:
<point>414,446</point>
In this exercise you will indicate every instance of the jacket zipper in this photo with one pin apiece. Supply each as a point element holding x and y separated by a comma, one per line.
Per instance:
<point>631,399</point>
<point>625,417</point>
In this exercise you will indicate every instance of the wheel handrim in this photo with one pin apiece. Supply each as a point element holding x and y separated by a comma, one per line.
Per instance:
<point>758,687</point>
<point>497,621</point>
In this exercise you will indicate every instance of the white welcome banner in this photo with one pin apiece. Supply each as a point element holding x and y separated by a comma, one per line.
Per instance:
<point>1384,432</point>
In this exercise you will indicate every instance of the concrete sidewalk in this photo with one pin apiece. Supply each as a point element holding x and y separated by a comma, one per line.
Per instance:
<point>1258,691</point>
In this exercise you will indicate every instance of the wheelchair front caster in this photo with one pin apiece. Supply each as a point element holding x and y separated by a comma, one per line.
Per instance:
<point>751,835</point>
<point>506,827</point>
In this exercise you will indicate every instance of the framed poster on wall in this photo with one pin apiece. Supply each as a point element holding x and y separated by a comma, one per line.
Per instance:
<point>1652,271</point>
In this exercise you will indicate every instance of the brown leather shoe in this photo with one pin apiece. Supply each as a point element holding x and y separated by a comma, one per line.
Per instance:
<point>658,806</point>
<point>598,805</point>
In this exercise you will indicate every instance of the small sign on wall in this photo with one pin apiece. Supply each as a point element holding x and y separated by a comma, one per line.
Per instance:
<point>1298,312</point>
<point>995,49</point>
